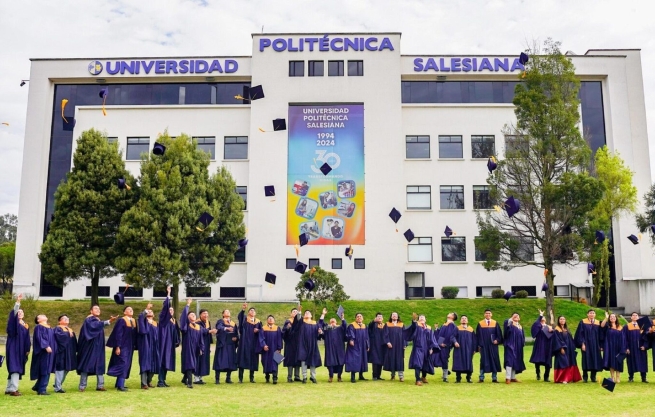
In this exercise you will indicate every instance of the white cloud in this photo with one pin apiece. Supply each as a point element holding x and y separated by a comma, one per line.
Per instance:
<point>106,28</point>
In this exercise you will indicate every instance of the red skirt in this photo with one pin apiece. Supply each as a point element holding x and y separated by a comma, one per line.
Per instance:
<point>568,375</point>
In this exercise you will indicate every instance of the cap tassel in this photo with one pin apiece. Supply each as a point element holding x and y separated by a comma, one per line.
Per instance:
<point>63,106</point>
<point>239,97</point>
<point>5,123</point>
<point>545,272</point>
<point>127,187</point>
<point>104,99</point>
<point>297,248</point>
<point>311,272</point>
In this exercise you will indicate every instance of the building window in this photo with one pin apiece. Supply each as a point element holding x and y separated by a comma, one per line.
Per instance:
<point>415,286</point>
<point>296,68</point>
<point>136,147</point>
<point>102,291</point>
<point>236,147</point>
<point>314,262</point>
<point>335,68</point>
<point>453,249</point>
<point>485,291</point>
<point>481,197</point>
<point>360,263</point>
<point>514,144</point>
<point>458,91</point>
<point>196,292</point>
<point>525,251</point>
<point>232,292</point>
<point>337,263</point>
<point>207,144</point>
<point>240,255</point>
<point>451,197</point>
<point>291,263</point>
<point>417,147</point>
<point>420,250</point>
<point>419,197</point>
<point>562,291</point>
<point>243,193</point>
<point>531,289</point>
<point>159,293</point>
<point>132,292</point>
<point>112,139</point>
<point>463,292</point>
<point>450,147</point>
<point>483,146</point>
<point>355,68</point>
<point>315,68</point>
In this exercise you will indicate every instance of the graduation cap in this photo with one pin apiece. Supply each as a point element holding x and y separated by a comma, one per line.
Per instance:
<point>644,323</point>
<point>69,123</point>
<point>409,235</point>
<point>591,269</point>
<point>652,226</point>
<point>608,384</point>
<point>303,239</point>
<point>158,149</point>
<point>349,252</point>
<point>548,334</point>
<point>634,239</point>
<point>395,216</point>
<point>492,164</point>
<point>621,356</point>
<point>325,168</point>
<point>440,341</point>
<point>512,206</point>
<point>251,93</point>
<point>340,311</point>
<point>600,237</point>
<point>122,184</point>
<point>205,219</point>
<point>279,124</point>
<point>119,297</point>
<point>278,357</point>
<point>309,285</point>
<point>269,190</point>
<point>507,295</point>
<point>270,278</point>
<point>103,95</point>
<point>544,287</point>
<point>448,232</point>
<point>242,243</point>
<point>524,58</point>
<point>300,267</point>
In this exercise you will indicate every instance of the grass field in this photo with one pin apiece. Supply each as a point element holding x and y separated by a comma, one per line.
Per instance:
<point>379,398</point>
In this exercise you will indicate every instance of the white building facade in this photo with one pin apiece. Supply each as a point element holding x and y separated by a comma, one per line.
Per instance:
<point>416,136</point>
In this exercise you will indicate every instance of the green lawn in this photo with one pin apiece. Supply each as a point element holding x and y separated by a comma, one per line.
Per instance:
<point>530,398</point>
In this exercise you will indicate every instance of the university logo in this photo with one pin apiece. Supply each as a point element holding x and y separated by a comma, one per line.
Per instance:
<point>95,67</point>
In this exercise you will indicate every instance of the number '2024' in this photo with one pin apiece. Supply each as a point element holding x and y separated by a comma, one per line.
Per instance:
<point>324,142</point>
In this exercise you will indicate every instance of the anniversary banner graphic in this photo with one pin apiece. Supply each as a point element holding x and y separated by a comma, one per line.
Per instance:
<point>329,209</point>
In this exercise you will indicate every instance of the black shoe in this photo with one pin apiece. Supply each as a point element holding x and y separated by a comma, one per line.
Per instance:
<point>304,380</point>
<point>122,389</point>
<point>594,380</point>
<point>297,379</point>
<point>268,381</point>
<point>480,381</point>
<point>458,381</point>
<point>201,382</point>
<point>61,391</point>
<point>274,381</point>
<point>469,381</point>
<point>444,379</point>
<point>361,378</point>
<point>494,381</point>
<point>538,377</point>
<point>380,378</point>
<point>546,380</point>
<point>629,380</point>
<point>645,381</point>
<point>352,379</point>
<point>585,381</point>
<point>34,388</point>
<point>229,381</point>
<point>166,385</point>
<point>161,385</point>
<point>314,380</point>
<point>252,380</point>
<point>184,381</point>
<point>289,380</point>
<point>189,386</point>
<point>217,382</point>
<point>43,393</point>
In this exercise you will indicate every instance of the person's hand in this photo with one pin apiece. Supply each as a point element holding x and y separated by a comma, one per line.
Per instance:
<point>541,313</point>
<point>149,306</point>
<point>550,329</point>
<point>324,311</point>
<point>430,351</point>
<point>562,351</point>
<point>188,301</point>
<point>19,297</point>
<point>627,351</point>
<point>118,351</point>
<point>368,349</point>
<point>414,316</point>
<point>443,345</point>
<point>112,318</point>
<point>343,316</point>
<point>351,343</point>
<point>48,349</point>
<point>584,348</point>
<point>642,348</point>
<point>607,315</point>
<point>256,330</point>
<point>456,344</point>
<point>389,345</point>
<point>229,329</point>
<point>168,291</point>
<point>234,339</point>
<point>213,331</point>
<point>320,331</point>
<point>201,352</point>
<point>495,342</point>
<point>265,348</point>
<point>244,306</point>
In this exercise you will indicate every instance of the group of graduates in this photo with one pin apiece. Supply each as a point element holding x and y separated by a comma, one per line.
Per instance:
<point>242,345</point>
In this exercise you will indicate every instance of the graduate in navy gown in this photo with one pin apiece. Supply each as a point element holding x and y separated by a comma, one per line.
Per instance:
<point>308,354</point>
<point>43,358</point>
<point>395,336</point>
<point>203,363</point>
<point>225,357</point>
<point>424,344</point>
<point>123,341</point>
<point>615,345</point>
<point>192,343</point>
<point>271,343</point>
<point>169,339</point>
<point>291,348</point>
<point>147,343</point>
<point>91,349</point>
<point>17,348</point>
<point>514,340</point>
<point>636,350</point>
<point>542,348</point>
<point>445,338</point>
<point>465,346</point>
<point>376,330</point>
<point>563,345</point>
<point>66,359</point>
<point>334,336</point>
<point>248,351</point>
<point>651,341</point>
<point>587,339</point>
<point>357,349</point>
<point>489,336</point>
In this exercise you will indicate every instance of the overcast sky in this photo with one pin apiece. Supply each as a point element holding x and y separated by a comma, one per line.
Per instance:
<point>113,28</point>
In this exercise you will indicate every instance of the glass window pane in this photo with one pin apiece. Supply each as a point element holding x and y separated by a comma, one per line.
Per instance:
<point>419,253</point>
<point>360,263</point>
<point>453,249</point>
<point>418,201</point>
<point>236,148</point>
<point>355,68</point>
<point>482,146</point>
<point>335,68</point>
<point>313,263</point>
<point>135,147</point>
<point>451,197</point>
<point>417,147</point>
<point>450,147</point>
<point>336,263</point>
<point>315,68</point>
<point>481,197</point>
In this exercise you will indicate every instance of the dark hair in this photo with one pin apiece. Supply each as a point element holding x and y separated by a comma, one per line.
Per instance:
<point>378,314</point>
<point>269,316</point>
<point>590,310</point>
<point>463,315</point>
<point>94,305</point>
<point>295,308</point>
<point>62,316</point>
<point>126,307</point>
<point>36,319</point>
<point>223,312</point>
<point>252,308</point>
<point>633,313</point>
<point>515,313</point>
<point>306,311</point>
<point>565,327</point>
<point>202,311</point>
<point>392,315</point>
<point>454,315</point>
<point>616,322</point>
<point>487,310</point>
<point>359,314</point>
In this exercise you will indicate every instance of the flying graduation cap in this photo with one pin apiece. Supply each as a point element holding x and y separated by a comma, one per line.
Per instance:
<point>508,295</point>
<point>512,206</point>
<point>409,235</point>
<point>242,243</point>
<point>309,285</point>
<point>634,239</point>
<point>524,58</point>
<point>300,267</point>
<point>608,384</point>
<point>544,287</point>
<point>303,239</point>
<point>119,297</point>
<point>600,237</point>
<point>349,252</point>
<point>644,323</point>
<point>395,216</point>
<point>158,149</point>
<point>270,278</point>
<point>103,95</point>
<point>205,219</point>
<point>251,93</point>
<point>269,191</point>
<point>492,164</point>
<point>122,184</point>
<point>278,125</point>
<point>340,311</point>
<point>448,232</point>
<point>325,168</point>
<point>651,227</point>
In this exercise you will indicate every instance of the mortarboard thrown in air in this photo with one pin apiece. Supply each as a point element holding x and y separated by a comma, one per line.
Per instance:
<point>242,243</point>
<point>303,239</point>
<point>69,123</point>
<point>608,384</point>
<point>448,232</point>
<point>512,206</point>
<point>591,269</point>
<point>251,93</point>
<point>546,333</point>
<point>122,184</point>
<point>492,164</point>
<point>600,237</point>
<point>309,285</point>
<point>524,58</point>
<point>409,235</point>
<point>507,295</point>
<point>644,323</point>
<point>279,124</point>
<point>395,216</point>
<point>652,228</point>
<point>158,149</point>
<point>119,298</point>
<point>270,278</point>
<point>325,168</point>
<point>269,190</point>
<point>103,95</point>
<point>349,252</point>
<point>544,287</point>
<point>340,311</point>
<point>205,219</point>
<point>300,267</point>
<point>634,239</point>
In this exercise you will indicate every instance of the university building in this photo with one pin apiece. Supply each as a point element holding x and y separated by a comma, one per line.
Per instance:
<point>411,132</point>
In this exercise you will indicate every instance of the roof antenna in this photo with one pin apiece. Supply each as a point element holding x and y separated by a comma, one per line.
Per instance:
<point>262,28</point>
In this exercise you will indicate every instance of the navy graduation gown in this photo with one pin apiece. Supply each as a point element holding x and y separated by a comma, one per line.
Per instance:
<point>514,340</point>
<point>378,346</point>
<point>615,342</point>
<point>589,333</point>
<point>225,357</point>
<point>249,343</point>
<point>651,339</point>
<point>335,339</point>
<point>307,342</point>
<point>541,350</point>
<point>169,337</point>
<point>563,339</point>
<point>448,331</point>
<point>18,344</point>
<point>66,359</point>
<point>463,355</point>
<point>43,363</point>
<point>356,356</point>
<point>203,362</point>
<point>637,359</point>
<point>124,337</point>
<point>486,334</point>
<point>271,337</point>
<point>397,335</point>
<point>422,339</point>
<point>148,345</point>
<point>91,347</point>
<point>192,342</point>
<point>290,344</point>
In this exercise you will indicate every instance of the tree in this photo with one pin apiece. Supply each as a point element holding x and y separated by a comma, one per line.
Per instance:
<point>546,170</point>
<point>619,196</point>
<point>327,288</point>
<point>647,219</point>
<point>159,240</point>
<point>81,242</point>
<point>8,227</point>
<point>7,256</point>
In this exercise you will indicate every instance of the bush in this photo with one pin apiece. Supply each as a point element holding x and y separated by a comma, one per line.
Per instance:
<point>521,294</point>
<point>449,292</point>
<point>497,293</point>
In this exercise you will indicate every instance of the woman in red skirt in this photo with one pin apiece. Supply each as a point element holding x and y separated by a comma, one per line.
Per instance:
<point>566,366</point>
